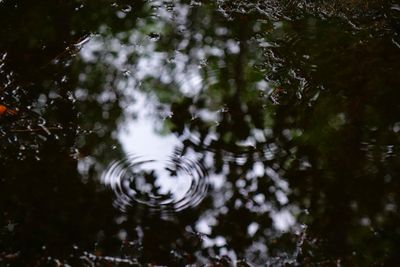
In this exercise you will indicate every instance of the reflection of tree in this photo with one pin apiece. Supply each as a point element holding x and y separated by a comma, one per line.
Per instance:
<point>341,157</point>
<point>228,94</point>
<point>45,207</point>
<point>329,145</point>
<point>38,42</point>
<point>330,111</point>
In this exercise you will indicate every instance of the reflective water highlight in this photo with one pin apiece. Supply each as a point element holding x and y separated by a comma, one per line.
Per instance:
<point>172,184</point>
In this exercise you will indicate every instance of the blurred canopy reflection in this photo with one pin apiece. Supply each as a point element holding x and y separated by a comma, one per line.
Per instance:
<point>279,123</point>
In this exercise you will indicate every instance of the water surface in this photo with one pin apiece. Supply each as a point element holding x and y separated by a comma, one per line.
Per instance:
<point>211,133</point>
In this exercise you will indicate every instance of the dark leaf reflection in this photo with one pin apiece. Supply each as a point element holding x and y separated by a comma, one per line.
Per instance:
<point>211,133</point>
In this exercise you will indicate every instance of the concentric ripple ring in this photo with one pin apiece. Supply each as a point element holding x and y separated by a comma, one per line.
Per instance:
<point>171,184</point>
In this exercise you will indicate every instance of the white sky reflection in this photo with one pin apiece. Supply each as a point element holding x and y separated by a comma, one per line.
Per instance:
<point>138,135</point>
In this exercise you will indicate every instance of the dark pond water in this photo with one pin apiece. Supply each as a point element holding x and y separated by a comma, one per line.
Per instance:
<point>199,133</point>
